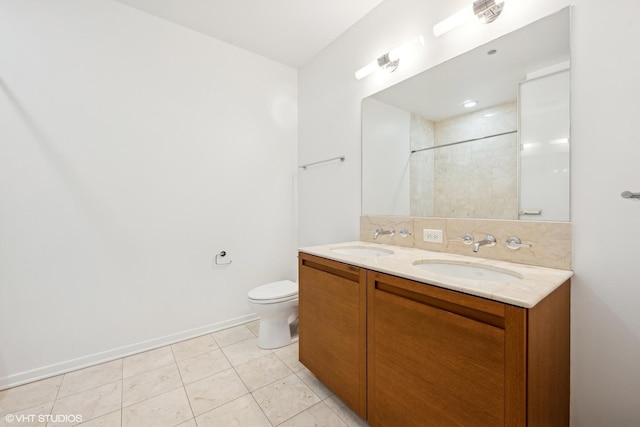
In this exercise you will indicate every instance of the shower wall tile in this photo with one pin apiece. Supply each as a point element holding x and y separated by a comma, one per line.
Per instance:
<point>421,177</point>
<point>477,179</point>
<point>498,119</point>
<point>471,180</point>
<point>421,133</point>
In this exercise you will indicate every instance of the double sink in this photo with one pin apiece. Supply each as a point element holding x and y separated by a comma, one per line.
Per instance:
<point>513,283</point>
<point>458,269</point>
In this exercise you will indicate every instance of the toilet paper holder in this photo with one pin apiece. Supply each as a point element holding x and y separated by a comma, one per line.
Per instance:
<point>630,195</point>
<point>219,259</point>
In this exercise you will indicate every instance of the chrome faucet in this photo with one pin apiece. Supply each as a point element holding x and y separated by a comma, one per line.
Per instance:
<point>382,232</point>
<point>488,240</point>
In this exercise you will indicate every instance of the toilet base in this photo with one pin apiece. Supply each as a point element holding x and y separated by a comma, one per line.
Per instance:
<point>278,312</point>
<point>276,333</point>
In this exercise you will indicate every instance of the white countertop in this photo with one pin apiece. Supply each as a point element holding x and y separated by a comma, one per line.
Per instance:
<point>535,285</point>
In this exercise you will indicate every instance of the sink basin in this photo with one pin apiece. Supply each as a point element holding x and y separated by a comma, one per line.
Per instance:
<point>361,251</point>
<point>468,271</point>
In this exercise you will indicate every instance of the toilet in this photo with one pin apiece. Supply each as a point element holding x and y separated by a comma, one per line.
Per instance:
<point>277,305</point>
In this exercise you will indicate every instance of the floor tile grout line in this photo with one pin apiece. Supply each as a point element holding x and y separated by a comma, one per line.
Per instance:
<point>230,401</point>
<point>246,386</point>
<point>275,381</point>
<point>184,387</point>
<point>333,410</point>
<point>98,416</point>
<point>148,370</point>
<point>298,413</point>
<point>155,395</point>
<point>55,399</point>
<point>251,392</point>
<point>84,391</point>
<point>198,355</point>
<point>210,335</point>
<point>262,409</point>
<point>322,399</point>
<point>122,393</point>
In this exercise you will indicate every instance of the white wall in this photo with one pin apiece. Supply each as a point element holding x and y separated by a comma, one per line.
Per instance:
<point>605,151</point>
<point>132,150</point>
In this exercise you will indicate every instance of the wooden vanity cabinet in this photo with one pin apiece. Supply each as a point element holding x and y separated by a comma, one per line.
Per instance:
<point>404,353</point>
<point>443,358</point>
<point>332,327</point>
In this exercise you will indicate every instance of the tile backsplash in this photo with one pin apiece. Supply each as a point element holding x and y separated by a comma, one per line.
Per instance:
<point>551,241</point>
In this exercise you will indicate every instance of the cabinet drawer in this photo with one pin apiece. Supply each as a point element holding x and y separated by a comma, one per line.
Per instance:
<point>332,327</point>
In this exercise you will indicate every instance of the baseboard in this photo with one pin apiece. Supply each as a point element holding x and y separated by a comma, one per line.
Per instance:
<point>52,370</point>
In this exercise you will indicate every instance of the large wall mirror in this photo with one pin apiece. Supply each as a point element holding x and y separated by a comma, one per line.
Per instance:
<point>503,156</point>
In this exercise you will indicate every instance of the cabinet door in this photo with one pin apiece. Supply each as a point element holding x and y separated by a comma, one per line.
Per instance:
<point>332,326</point>
<point>437,357</point>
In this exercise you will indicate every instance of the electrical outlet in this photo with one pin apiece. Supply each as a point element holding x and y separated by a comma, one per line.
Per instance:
<point>432,236</point>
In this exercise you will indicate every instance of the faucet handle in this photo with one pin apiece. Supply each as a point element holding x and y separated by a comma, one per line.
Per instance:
<point>466,238</point>
<point>515,243</point>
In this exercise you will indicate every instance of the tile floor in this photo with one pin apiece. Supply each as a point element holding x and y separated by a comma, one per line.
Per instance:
<point>220,379</point>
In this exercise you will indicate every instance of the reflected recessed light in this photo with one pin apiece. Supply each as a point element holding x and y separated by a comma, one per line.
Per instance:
<point>559,141</point>
<point>469,103</point>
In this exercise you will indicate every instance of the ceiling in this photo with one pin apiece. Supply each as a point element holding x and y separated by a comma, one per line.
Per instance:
<point>291,32</point>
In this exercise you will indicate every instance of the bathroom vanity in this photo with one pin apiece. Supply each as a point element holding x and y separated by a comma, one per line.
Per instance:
<point>402,345</point>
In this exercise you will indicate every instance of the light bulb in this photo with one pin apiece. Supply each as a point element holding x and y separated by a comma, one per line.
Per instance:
<point>485,10</point>
<point>455,20</point>
<point>399,51</point>
<point>370,68</point>
<point>389,60</point>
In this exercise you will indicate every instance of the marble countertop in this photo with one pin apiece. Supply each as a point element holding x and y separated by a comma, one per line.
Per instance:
<point>535,285</point>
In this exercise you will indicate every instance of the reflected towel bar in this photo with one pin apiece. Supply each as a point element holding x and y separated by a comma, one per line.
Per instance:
<point>630,195</point>
<point>530,212</point>
<point>341,158</point>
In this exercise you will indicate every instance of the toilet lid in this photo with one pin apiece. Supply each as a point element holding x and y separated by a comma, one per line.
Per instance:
<point>274,290</point>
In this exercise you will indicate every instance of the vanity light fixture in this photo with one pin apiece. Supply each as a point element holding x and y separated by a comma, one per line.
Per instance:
<point>390,60</point>
<point>485,10</point>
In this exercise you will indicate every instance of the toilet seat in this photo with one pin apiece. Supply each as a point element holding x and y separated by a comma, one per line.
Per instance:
<point>274,292</point>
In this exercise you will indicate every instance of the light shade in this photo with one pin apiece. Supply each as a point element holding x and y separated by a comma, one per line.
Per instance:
<point>370,68</point>
<point>389,61</point>
<point>485,10</point>
<point>455,20</point>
